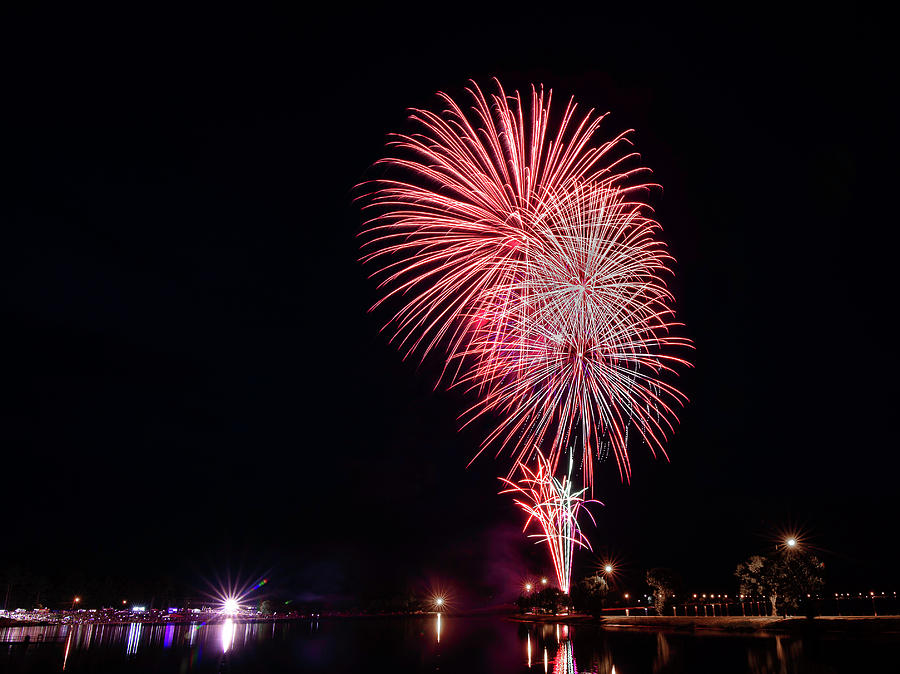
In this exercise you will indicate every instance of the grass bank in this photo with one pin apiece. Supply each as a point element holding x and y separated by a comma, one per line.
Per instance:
<point>824,624</point>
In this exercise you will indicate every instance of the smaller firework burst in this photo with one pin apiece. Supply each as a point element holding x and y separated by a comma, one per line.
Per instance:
<point>555,506</point>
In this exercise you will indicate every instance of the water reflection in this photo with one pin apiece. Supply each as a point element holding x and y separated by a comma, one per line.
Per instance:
<point>786,657</point>
<point>227,635</point>
<point>68,645</point>
<point>489,644</point>
<point>663,654</point>
<point>134,638</point>
<point>565,659</point>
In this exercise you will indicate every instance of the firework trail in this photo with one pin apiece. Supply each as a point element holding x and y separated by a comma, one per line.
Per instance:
<point>518,246</point>
<point>555,506</point>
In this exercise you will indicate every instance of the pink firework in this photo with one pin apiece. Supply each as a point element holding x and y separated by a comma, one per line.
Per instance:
<point>580,340</point>
<point>519,247</point>
<point>456,222</point>
<point>555,506</point>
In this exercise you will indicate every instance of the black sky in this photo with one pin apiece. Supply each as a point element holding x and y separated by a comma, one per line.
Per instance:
<point>191,380</point>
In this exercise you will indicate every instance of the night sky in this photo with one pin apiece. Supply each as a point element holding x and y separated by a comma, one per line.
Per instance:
<point>191,381</point>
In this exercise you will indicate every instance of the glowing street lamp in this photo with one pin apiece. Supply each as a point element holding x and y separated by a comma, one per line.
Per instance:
<point>791,542</point>
<point>230,606</point>
<point>76,600</point>
<point>439,603</point>
<point>528,587</point>
<point>543,581</point>
<point>608,568</point>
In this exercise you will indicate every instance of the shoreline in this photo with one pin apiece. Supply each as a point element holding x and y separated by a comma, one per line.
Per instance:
<point>821,624</point>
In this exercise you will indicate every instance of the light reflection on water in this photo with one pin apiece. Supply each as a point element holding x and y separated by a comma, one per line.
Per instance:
<point>452,644</point>
<point>227,635</point>
<point>134,638</point>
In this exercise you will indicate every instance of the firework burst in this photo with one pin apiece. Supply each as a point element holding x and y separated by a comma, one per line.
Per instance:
<point>555,505</point>
<point>579,341</point>
<point>519,246</point>
<point>456,222</point>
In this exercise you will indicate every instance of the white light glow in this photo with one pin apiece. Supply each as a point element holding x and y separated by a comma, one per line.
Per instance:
<point>227,635</point>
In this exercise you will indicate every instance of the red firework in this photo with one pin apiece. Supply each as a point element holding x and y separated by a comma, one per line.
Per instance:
<point>579,341</point>
<point>457,223</point>
<point>524,253</point>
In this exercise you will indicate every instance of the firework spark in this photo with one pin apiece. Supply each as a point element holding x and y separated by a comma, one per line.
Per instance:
<point>555,506</point>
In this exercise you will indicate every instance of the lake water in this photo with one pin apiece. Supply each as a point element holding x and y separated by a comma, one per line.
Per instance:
<point>448,645</point>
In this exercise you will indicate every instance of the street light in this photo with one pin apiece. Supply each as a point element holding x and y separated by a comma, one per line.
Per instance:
<point>608,568</point>
<point>528,587</point>
<point>791,542</point>
<point>543,581</point>
<point>76,600</point>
